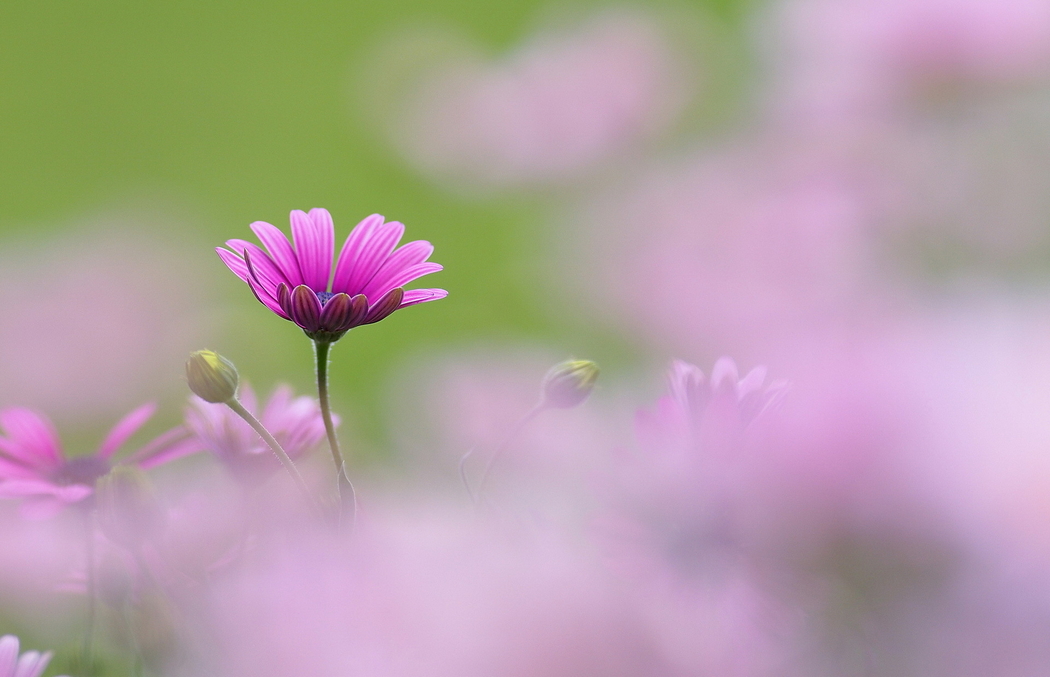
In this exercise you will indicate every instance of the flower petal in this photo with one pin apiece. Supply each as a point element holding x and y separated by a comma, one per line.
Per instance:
<point>336,312</point>
<point>266,299</point>
<point>30,438</point>
<point>125,428</point>
<point>364,253</point>
<point>235,263</point>
<point>314,237</point>
<point>386,305</point>
<point>306,309</point>
<point>32,663</point>
<point>414,296</point>
<point>261,267</point>
<point>284,298</point>
<point>8,654</point>
<point>280,249</point>
<point>399,278</point>
<point>413,253</point>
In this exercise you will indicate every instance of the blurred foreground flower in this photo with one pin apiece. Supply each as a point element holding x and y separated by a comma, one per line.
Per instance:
<point>294,421</point>
<point>30,664</point>
<point>33,466</point>
<point>368,280</point>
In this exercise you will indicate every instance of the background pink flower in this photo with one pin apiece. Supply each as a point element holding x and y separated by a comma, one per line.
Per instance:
<point>558,106</point>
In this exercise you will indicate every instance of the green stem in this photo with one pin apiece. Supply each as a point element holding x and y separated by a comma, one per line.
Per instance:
<point>321,351</point>
<point>274,445</point>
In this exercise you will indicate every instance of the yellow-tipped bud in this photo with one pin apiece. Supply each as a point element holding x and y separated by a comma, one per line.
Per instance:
<point>569,383</point>
<point>129,511</point>
<point>211,376</point>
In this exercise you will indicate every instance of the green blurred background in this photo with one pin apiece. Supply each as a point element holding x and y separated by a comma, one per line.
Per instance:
<point>225,113</point>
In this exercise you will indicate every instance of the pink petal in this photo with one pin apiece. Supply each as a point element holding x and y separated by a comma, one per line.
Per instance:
<point>158,445</point>
<point>69,493</point>
<point>41,508</point>
<point>8,654</point>
<point>260,266</point>
<point>384,282</point>
<point>234,262</point>
<point>390,302</point>
<point>266,300</point>
<point>13,470</point>
<point>125,428</point>
<point>724,377</point>
<point>246,394</point>
<point>314,245</point>
<point>32,664</point>
<point>306,309</point>
<point>186,447</point>
<point>362,256</point>
<point>281,251</point>
<point>414,296</point>
<point>336,312</point>
<point>411,254</point>
<point>30,438</point>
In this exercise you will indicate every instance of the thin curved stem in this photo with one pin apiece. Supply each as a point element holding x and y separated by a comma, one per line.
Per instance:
<point>274,445</point>
<point>321,352</point>
<point>524,421</point>
<point>89,552</point>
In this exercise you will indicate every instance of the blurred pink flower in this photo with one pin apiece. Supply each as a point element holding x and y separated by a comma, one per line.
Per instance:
<point>743,247</point>
<point>299,285</point>
<point>30,664</point>
<point>557,107</point>
<point>117,347</point>
<point>34,468</point>
<point>695,402</point>
<point>427,595</point>
<point>863,57</point>
<point>294,421</point>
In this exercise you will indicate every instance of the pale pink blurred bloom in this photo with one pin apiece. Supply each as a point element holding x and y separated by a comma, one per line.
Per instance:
<point>29,664</point>
<point>695,403</point>
<point>36,557</point>
<point>555,108</point>
<point>428,595</point>
<point>985,464</point>
<point>131,306</point>
<point>472,402</point>
<point>743,247</point>
<point>864,57</point>
<point>34,468</point>
<point>294,421</point>
<point>971,194</point>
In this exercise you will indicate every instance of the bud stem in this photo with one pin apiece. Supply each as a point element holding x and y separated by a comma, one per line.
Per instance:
<point>524,421</point>
<point>274,445</point>
<point>321,351</point>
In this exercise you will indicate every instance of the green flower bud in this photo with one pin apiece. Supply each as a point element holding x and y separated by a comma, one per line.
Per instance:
<point>211,376</point>
<point>569,383</point>
<point>129,511</point>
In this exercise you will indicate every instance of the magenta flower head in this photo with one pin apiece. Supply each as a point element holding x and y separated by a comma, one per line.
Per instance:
<point>34,468</point>
<point>299,284</point>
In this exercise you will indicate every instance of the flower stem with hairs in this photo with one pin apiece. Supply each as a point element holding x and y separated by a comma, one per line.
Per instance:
<point>274,445</point>
<point>321,351</point>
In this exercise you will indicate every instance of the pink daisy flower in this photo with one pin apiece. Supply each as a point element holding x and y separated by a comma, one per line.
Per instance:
<point>30,664</point>
<point>34,468</point>
<point>294,421</point>
<point>299,284</point>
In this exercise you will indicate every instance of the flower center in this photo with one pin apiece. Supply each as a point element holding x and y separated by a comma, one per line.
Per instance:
<point>324,296</point>
<point>83,470</point>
